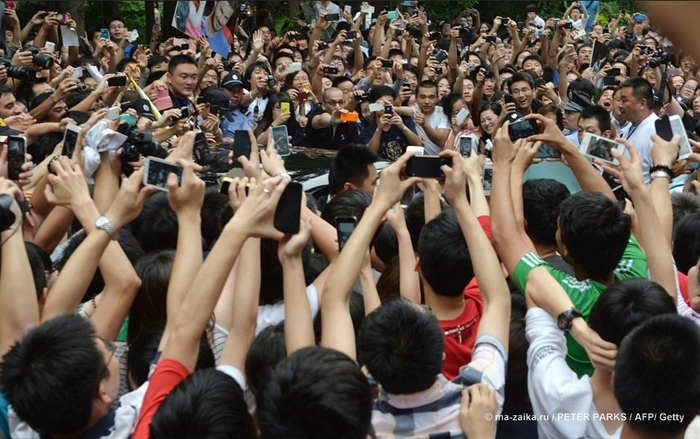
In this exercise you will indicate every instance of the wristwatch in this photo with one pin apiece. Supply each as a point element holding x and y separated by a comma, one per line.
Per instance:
<point>566,319</point>
<point>103,223</point>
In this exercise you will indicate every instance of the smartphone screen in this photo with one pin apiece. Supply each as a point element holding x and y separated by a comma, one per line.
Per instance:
<point>345,225</point>
<point>522,129</point>
<point>241,146</point>
<point>600,147</point>
<point>281,139</point>
<point>465,146</point>
<point>677,128</point>
<point>332,17</point>
<point>487,178</point>
<point>157,171</point>
<point>117,81</point>
<point>288,212</point>
<point>104,34</point>
<point>201,149</point>
<point>16,156</point>
<point>70,139</point>
<point>663,128</point>
<point>508,99</point>
<point>546,152</point>
<point>425,166</point>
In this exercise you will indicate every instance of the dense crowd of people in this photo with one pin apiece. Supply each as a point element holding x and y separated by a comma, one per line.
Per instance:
<point>524,264</point>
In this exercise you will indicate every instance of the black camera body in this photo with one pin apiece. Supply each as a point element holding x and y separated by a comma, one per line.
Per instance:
<point>40,59</point>
<point>139,143</point>
<point>18,72</point>
<point>659,57</point>
<point>271,81</point>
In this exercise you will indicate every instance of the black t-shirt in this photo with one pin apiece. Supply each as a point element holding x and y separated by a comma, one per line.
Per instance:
<point>329,137</point>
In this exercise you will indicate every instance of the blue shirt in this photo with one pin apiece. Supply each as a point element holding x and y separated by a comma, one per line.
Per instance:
<point>239,121</point>
<point>593,7</point>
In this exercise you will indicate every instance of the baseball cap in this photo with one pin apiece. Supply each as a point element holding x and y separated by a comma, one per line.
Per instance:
<point>232,80</point>
<point>6,130</point>
<point>639,17</point>
<point>577,103</point>
<point>215,97</point>
<point>141,106</point>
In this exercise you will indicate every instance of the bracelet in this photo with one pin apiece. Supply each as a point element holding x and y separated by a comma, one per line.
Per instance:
<point>665,168</point>
<point>659,174</point>
<point>283,175</point>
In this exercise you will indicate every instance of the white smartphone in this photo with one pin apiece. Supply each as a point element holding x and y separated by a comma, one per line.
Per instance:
<point>293,67</point>
<point>348,9</point>
<point>377,106</point>
<point>600,147</point>
<point>156,171</point>
<point>487,178</point>
<point>70,139</point>
<point>462,116</point>
<point>50,46</point>
<point>367,9</point>
<point>677,128</point>
<point>133,36</point>
<point>112,114</point>
<point>416,150</point>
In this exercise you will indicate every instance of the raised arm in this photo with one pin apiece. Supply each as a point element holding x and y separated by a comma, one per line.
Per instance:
<point>409,280</point>
<point>336,297</point>
<point>19,311</point>
<point>495,319</point>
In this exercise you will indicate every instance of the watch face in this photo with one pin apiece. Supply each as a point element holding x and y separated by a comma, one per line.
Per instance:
<point>563,322</point>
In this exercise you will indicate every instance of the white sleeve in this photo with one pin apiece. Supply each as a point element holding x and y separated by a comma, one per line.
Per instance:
<point>553,387</point>
<point>270,315</point>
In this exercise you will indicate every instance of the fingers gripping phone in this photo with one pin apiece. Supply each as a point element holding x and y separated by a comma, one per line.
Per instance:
<point>156,173</point>
<point>16,156</point>
<point>70,139</point>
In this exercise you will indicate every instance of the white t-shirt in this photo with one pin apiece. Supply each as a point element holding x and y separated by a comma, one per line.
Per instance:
<point>640,137</point>
<point>270,315</point>
<point>437,120</point>
<point>556,392</point>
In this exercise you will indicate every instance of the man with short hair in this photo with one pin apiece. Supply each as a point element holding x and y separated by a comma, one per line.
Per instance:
<point>353,168</point>
<point>637,106</point>
<point>533,18</point>
<point>392,131</point>
<point>522,88</point>
<point>325,128</point>
<point>572,111</point>
<point>182,80</point>
<point>432,125</point>
<point>237,118</point>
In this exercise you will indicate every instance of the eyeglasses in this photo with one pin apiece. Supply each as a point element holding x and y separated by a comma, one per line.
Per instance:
<point>334,103</point>
<point>117,26</point>
<point>519,91</point>
<point>690,88</point>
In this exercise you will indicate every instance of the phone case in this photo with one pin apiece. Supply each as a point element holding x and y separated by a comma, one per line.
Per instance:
<point>288,212</point>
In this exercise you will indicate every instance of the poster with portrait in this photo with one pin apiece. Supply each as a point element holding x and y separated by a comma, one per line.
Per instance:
<point>210,19</point>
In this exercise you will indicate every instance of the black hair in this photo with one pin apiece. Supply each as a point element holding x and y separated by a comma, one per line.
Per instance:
<point>349,165</point>
<point>523,76</point>
<point>483,106</point>
<point>627,304</point>
<point>583,87</point>
<point>402,347</point>
<point>641,90</point>
<point>40,263</point>
<point>144,348</point>
<point>207,404</point>
<point>656,371</point>
<point>43,146</point>
<point>426,84</point>
<point>686,242</point>
<point>180,59</point>
<point>415,218</point>
<point>347,203</point>
<point>267,118</point>
<point>266,351</point>
<point>257,64</point>
<point>379,91</point>
<point>271,276</point>
<point>595,231</point>
<point>156,226</point>
<point>385,243</point>
<point>684,204</point>
<point>155,60</point>
<point>541,200</point>
<point>149,305</point>
<point>121,65</point>
<point>553,109</point>
<point>51,377</point>
<point>448,103</point>
<point>598,113</point>
<point>442,249</point>
<point>357,314</point>
<point>411,68</point>
<point>531,8</point>
<point>316,392</point>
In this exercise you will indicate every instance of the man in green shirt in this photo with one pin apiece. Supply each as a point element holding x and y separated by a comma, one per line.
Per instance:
<point>593,235</point>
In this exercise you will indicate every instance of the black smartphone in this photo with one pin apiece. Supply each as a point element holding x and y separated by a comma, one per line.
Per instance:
<point>345,225</point>
<point>663,128</point>
<point>568,25</point>
<point>117,81</point>
<point>351,34</point>
<point>426,166</point>
<point>465,146</point>
<point>387,63</point>
<point>288,212</point>
<point>388,109</point>
<point>441,56</point>
<point>614,73</point>
<point>332,17</point>
<point>522,129</point>
<point>610,80</point>
<point>241,146</point>
<point>330,70</point>
<point>490,38</point>
<point>434,36</point>
<point>508,99</point>
<point>322,46</point>
<point>201,149</point>
<point>606,30</point>
<point>539,81</point>
<point>16,156</point>
<point>438,70</point>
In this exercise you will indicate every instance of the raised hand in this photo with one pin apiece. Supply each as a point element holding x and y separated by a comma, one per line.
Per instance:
<point>188,196</point>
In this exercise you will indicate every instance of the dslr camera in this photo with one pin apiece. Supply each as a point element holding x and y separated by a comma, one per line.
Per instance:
<point>43,61</point>
<point>18,72</point>
<point>139,143</point>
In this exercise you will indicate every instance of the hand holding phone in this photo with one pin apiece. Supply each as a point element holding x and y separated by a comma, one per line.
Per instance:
<point>156,171</point>
<point>281,139</point>
<point>288,211</point>
<point>16,156</point>
<point>241,146</point>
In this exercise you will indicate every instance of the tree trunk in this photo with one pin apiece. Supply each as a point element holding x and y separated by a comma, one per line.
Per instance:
<point>150,19</point>
<point>109,10</point>
<point>76,9</point>
<point>168,13</point>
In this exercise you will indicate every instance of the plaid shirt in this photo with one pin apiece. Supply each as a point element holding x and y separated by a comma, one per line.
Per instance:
<point>434,412</point>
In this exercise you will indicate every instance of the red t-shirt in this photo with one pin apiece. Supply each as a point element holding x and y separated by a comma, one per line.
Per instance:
<point>168,374</point>
<point>460,333</point>
<point>683,286</point>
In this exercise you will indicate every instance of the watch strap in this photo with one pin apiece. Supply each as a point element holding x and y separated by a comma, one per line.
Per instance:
<point>103,223</point>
